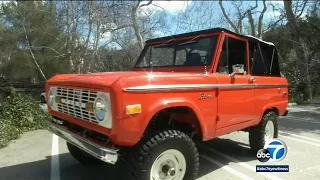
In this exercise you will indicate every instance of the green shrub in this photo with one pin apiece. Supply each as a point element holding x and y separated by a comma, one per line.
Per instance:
<point>19,113</point>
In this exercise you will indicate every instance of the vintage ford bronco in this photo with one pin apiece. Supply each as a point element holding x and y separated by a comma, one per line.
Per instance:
<point>183,89</point>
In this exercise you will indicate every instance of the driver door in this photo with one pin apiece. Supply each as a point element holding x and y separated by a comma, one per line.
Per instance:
<point>235,92</point>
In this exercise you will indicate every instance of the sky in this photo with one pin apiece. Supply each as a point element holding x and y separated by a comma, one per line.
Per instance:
<point>172,8</point>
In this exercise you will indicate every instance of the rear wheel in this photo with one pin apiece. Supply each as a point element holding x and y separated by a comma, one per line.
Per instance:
<point>82,156</point>
<point>169,154</point>
<point>265,131</point>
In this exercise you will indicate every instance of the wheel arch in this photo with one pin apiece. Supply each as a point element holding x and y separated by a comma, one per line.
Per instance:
<point>179,107</point>
<point>274,109</point>
<point>268,108</point>
<point>265,110</point>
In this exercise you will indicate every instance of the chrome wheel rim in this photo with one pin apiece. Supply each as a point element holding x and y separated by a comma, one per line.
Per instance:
<point>269,131</point>
<point>169,165</point>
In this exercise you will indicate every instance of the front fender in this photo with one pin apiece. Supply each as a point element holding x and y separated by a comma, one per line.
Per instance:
<point>130,128</point>
<point>176,102</point>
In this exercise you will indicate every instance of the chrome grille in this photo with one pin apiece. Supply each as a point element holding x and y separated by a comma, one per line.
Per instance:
<point>73,102</point>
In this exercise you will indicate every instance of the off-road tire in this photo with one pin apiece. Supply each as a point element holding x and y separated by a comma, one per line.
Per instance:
<point>139,159</point>
<point>82,156</point>
<point>256,133</point>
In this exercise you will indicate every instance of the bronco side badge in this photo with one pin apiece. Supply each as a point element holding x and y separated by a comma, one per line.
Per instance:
<point>202,96</point>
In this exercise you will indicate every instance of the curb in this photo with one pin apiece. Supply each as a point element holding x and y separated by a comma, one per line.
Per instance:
<point>309,103</point>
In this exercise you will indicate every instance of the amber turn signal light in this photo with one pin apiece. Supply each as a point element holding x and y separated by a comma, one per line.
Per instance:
<point>133,109</point>
<point>58,99</point>
<point>89,107</point>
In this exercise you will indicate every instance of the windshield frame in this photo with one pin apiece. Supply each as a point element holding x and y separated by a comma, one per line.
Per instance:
<point>178,41</point>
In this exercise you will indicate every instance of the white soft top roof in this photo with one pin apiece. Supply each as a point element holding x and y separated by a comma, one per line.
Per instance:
<point>266,42</point>
<point>208,31</point>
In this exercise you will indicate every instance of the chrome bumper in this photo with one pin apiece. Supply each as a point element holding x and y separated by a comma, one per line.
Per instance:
<point>103,153</point>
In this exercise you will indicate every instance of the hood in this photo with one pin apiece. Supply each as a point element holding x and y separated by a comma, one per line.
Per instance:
<point>94,80</point>
<point>125,79</point>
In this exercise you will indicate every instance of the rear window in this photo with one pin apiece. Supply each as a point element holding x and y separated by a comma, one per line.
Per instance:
<point>264,60</point>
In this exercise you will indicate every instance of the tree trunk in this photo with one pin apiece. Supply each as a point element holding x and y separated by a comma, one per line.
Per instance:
<point>260,21</point>
<point>135,24</point>
<point>251,22</point>
<point>96,43</point>
<point>227,18</point>
<point>68,39</point>
<point>301,49</point>
<point>32,54</point>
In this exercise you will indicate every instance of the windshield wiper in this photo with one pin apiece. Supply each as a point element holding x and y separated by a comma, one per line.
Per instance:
<point>164,44</point>
<point>191,40</point>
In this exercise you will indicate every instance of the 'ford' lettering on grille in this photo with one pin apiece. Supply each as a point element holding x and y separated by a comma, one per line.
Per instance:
<point>77,93</point>
<point>75,103</point>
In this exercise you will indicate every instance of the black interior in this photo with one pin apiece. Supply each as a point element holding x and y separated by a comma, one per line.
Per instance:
<point>193,59</point>
<point>233,52</point>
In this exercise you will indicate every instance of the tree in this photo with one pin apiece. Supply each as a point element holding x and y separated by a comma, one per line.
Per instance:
<point>27,20</point>
<point>242,14</point>
<point>303,74</point>
<point>301,47</point>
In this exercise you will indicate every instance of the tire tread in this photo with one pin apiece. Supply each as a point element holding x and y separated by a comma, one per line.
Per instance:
<point>136,165</point>
<point>256,133</point>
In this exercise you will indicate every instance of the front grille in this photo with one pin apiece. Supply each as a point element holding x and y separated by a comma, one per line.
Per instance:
<point>74,101</point>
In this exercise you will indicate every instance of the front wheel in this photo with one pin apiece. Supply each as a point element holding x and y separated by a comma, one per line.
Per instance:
<point>169,154</point>
<point>265,131</point>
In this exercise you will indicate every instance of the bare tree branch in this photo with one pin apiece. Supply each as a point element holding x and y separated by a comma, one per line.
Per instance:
<point>32,55</point>
<point>251,22</point>
<point>46,47</point>
<point>227,17</point>
<point>158,6</point>
<point>135,25</point>
<point>260,21</point>
<point>273,24</point>
<point>303,7</point>
<point>117,28</point>
<point>146,4</point>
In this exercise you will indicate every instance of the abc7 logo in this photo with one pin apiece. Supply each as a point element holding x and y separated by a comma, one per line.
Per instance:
<point>263,155</point>
<point>274,150</point>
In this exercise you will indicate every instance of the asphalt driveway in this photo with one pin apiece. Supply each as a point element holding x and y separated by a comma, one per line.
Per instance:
<point>40,155</point>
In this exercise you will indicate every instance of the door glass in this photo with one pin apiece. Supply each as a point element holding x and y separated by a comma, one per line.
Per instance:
<point>233,56</point>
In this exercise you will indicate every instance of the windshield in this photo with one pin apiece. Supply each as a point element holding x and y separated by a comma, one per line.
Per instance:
<point>194,52</point>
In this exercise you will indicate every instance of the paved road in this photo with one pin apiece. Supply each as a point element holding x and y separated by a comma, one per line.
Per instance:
<point>39,155</point>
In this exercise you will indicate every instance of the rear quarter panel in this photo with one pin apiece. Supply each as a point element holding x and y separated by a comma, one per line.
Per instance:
<point>267,97</point>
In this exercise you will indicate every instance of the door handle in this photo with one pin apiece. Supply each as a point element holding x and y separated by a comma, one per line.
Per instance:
<point>252,79</point>
<point>279,90</point>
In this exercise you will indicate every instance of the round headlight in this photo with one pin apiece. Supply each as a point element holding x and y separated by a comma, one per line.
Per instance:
<point>100,109</point>
<point>51,98</point>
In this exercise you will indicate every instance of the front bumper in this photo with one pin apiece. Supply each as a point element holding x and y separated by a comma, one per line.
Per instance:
<point>105,154</point>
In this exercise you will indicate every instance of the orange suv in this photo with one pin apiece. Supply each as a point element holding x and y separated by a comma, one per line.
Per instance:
<point>183,88</point>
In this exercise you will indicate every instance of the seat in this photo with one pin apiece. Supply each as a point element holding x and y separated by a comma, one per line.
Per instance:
<point>193,59</point>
